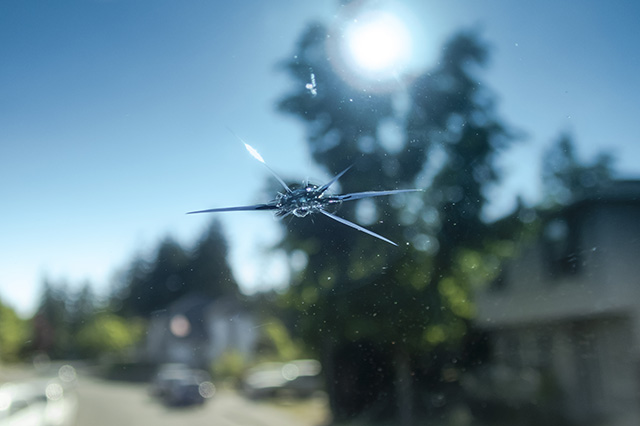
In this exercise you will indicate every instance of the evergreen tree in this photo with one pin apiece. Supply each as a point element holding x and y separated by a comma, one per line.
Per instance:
<point>51,325</point>
<point>566,178</point>
<point>82,307</point>
<point>209,271</point>
<point>153,286</point>
<point>175,272</point>
<point>372,311</point>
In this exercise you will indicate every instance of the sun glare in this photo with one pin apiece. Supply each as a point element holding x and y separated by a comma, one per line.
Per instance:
<point>377,45</point>
<point>373,47</point>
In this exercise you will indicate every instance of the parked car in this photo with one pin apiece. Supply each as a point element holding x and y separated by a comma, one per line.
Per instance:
<point>178,384</point>
<point>299,378</point>
<point>37,403</point>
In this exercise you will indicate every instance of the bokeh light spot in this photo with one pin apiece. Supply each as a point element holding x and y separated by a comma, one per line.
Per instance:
<point>206,389</point>
<point>180,326</point>
<point>54,392</point>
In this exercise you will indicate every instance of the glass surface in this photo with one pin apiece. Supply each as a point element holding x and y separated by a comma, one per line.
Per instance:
<point>407,213</point>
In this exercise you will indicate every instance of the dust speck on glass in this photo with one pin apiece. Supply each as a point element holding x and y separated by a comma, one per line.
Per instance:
<point>311,86</point>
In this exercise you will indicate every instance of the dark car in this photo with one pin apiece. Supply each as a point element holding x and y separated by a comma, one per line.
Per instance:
<point>177,384</point>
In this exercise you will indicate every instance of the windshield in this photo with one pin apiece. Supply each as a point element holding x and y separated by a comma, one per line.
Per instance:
<point>346,212</point>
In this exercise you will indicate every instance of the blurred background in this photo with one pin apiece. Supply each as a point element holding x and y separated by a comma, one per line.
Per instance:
<point>511,298</point>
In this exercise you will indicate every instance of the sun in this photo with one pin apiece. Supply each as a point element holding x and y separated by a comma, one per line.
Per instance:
<point>375,48</point>
<point>378,43</point>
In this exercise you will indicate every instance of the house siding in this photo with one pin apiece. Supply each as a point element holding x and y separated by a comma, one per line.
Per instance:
<point>579,320</point>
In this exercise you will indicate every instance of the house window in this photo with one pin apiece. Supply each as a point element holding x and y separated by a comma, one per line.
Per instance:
<point>512,350</point>
<point>561,247</point>
<point>545,349</point>
<point>588,387</point>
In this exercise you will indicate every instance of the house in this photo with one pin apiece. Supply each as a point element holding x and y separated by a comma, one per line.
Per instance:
<point>196,330</point>
<point>568,308</point>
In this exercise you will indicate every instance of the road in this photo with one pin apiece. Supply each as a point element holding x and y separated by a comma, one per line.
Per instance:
<point>108,403</point>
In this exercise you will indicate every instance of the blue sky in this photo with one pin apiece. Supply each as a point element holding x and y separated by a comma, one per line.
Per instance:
<point>114,116</point>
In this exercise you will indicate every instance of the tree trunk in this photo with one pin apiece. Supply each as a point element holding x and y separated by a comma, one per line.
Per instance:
<point>404,387</point>
<point>329,372</point>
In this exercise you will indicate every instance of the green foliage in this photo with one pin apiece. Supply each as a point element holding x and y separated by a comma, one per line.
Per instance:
<point>107,333</point>
<point>13,334</point>
<point>230,366</point>
<point>275,342</point>
<point>74,324</point>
